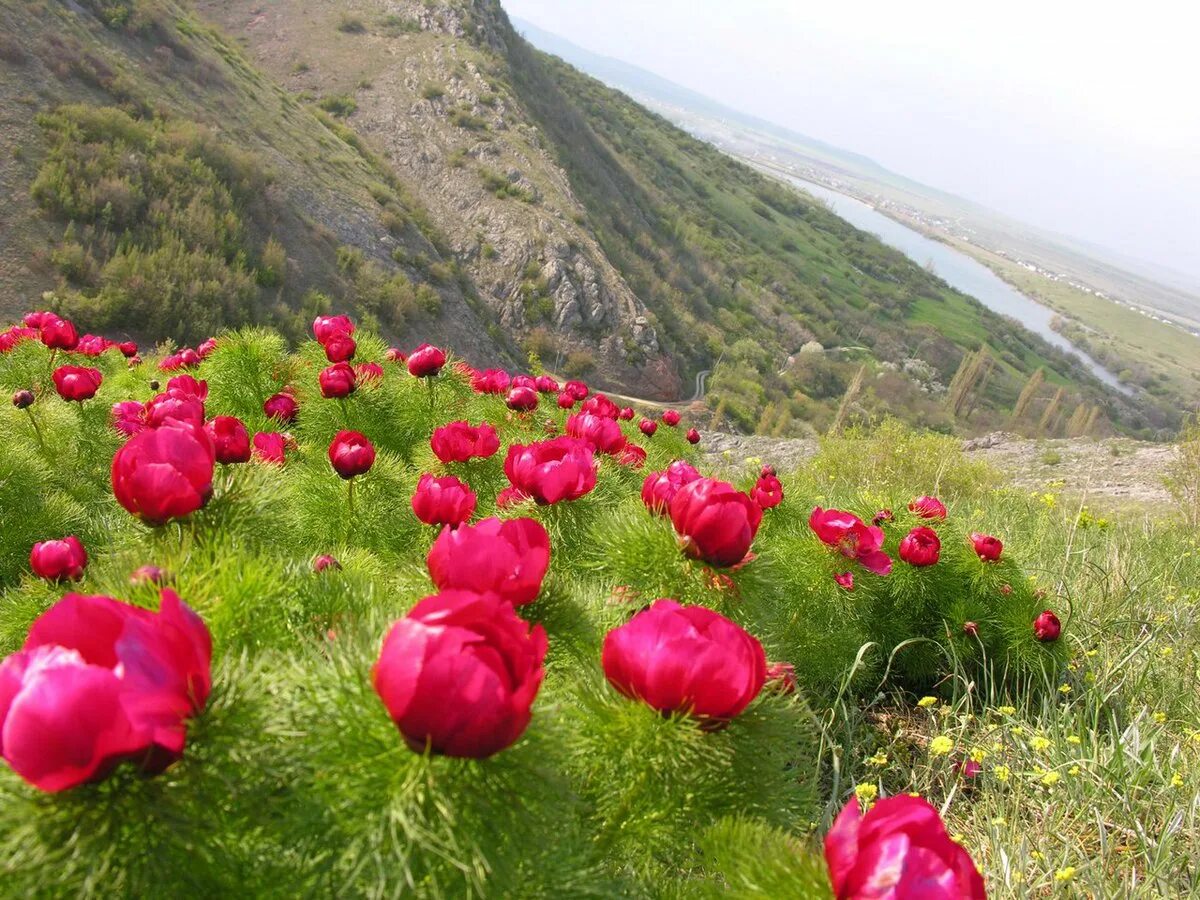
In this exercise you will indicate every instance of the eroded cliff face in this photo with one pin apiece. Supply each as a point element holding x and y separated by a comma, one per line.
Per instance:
<point>433,94</point>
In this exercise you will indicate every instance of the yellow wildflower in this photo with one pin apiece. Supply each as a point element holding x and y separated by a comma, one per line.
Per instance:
<point>1006,710</point>
<point>1065,688</point>
<point>1065,874</point>
<point>941,745</point>
<point>1002,773</point>
<point>879,759</point>
<point>926,702</point>
<point>1160,717</point>
<point>1039,743</point>
<point>1177,780</point>
<point>1073,771</point>
<point>1050,779</point>
<point>1074,739</point>
<point>866,792</point>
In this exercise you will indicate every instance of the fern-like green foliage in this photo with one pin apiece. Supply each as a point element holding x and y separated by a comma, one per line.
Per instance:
<point>295,782</point>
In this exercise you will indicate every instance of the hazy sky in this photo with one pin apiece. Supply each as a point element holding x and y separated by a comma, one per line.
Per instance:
<point>1080,117</point>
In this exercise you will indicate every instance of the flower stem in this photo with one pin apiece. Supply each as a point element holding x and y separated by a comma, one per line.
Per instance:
<point>36,431</point>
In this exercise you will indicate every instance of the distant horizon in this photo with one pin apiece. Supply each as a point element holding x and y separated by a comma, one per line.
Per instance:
<point>1022,193</point>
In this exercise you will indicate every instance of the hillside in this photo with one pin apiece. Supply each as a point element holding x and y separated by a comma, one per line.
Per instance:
<point>422,166</point>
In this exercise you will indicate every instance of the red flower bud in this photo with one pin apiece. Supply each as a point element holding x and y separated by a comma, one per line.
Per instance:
<point>206,348</point>
<point>461,441</point>
<point>395,354</point>
<point>174,406</point>
<point>282,407</point>
<point>920,547</point>
<point>490,381</point>
<point>845,579</point>
<point>148,575</point>
<point>22,399</point>
<point>671,418</point>
<point>685,659</point>
<point>576,389</point>
<point>545,385</point>
<point>562,468</point>
<point>351,454</point>
<point>76,382</point>
<point>368,372</point>
<point>781,676</point>
<point>325,328</point>
<point>989,548</point>
<point>443,501</point>
<point>506,558</point>
<point>647,427</point>
<point>632,455</point>
<point>59,560</point>
<point>164,473</point>
<point>323,562</point>
<point>340,348</point>
<point>459,673</point>
<point>426,361</point>
<point>693,436</point>
<point>128,349</point>
<point>902,843</point>
<point>928,508</point>
<point>521,399</point>
<point>971,629</point>
<point>98,682</point>
<point>337,381</point>
<point>566,401</point>
<point>1046,627</point>
<point>884,515</point>
<point>626,414</point>
<point>715,521</point>
<point>231,440</point>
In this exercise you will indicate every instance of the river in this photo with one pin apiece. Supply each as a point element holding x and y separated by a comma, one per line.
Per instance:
<point>958,270</point>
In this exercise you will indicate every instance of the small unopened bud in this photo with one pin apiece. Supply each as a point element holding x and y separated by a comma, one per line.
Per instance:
<point>23,399</point>
<point>970,628</point>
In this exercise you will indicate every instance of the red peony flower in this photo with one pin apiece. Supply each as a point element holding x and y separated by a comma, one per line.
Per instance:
<point>129,417</point>
<point>351,454</point>
<point>1046,627</point>
<point>164,473</point>
<point>340,348</point>
<point>282,407</point>
<point>521,399</point>
<point>76,382</point>
<point>928,508</point>
<point>174,406</point>
<point>670,417</point>
<point>647,427</point>
<point>337,381</point>
<point>460,441</point>
<point>685,659</point>
<point>507,558</point>
<point>58,334</point>
<point>626,414</point>
<point>206,348</point>
<point>426,361</point>
<point>602,433</point>
<point>459,674</point>
<point>576,389</point>
<point>188,386</point>
<point>660,488</point>
<point>715,521</point>
<point>231,440</point>
<point>846,533</point>
<point>989,548</point>
<point>599,405</point>
<point>443,501</point>
<point>129,349</point>
<point>632,455</point>
<point>693,436</point>
<point>58,560</point>
<point>920,547</point>
<point>545,385</point>
<point>767,492</point>
<point>270,447</point>
<point>884,515</point>
<point>566,401</point>
<point>99,682</point>
<point>563,468</point>
<point>395,354</point>
<point>92,345</point>
<point>524,381</point>
<point>490,381</point>
<point>368,371</point>
<point>325,328</point>
<point>899,849</point>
